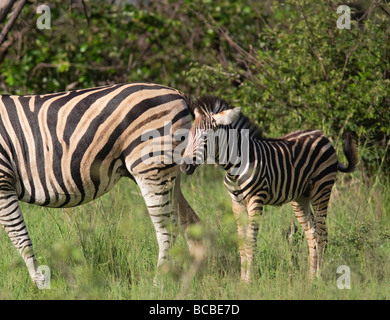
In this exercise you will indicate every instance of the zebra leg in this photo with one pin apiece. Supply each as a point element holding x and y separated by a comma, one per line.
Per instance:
<point>240,215</point>
<point>11,219</point>
<point>320,207</point>
<point>187,218</point>
<point>251,240</point>
<point>162,211</point>
<point>306,219</point>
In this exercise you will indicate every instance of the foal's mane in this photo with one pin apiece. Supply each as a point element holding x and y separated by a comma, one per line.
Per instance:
<point>213,104</point>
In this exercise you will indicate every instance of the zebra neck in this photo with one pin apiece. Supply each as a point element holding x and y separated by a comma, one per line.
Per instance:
<point>253,161</point>
<point>241,136</point>
<point>241,156</point>
<point>227,152</point>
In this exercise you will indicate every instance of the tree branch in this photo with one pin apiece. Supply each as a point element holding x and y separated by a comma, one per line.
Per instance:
<point>18,8</point>
<point>5,7</point>
<point>316,52</point>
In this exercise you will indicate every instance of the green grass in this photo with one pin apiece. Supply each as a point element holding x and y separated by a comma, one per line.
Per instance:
<point>108,249</point>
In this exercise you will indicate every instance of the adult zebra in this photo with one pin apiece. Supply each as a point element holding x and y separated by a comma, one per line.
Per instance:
<point>66,149</point>
<point>300,168</point>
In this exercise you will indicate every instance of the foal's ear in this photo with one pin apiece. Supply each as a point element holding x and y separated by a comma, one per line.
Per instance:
<point>197,113</point>
<point>227,117</point>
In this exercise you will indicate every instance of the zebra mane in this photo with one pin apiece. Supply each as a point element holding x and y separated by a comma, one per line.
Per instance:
<point>212,104</point>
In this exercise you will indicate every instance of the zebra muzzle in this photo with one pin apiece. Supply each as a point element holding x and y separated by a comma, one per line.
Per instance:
<point>188,168</point>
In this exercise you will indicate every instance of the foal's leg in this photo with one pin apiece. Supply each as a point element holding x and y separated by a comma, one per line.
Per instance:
<point>320,206</point>
<point>306,219</point>
<point>240,214</point>
<point>254,214</point>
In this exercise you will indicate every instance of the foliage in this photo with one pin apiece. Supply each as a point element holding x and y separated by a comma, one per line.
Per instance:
<point>304,72</point>
<point>285,62</point>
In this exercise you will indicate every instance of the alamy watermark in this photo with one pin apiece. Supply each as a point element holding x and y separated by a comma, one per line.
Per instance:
<point>222,146</point>
<point>44,21</point>
<point>43,281</point>
<point>344,280</point>
<point>344,21</point>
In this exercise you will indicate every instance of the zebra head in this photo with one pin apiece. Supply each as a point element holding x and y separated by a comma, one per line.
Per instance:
<point>206,122</point>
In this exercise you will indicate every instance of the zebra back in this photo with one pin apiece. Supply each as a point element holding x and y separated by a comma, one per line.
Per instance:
<point>68,148</point>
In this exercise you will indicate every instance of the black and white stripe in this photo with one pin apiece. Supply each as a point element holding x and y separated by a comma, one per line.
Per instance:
<point>299,168</point>
<point>66,149</point>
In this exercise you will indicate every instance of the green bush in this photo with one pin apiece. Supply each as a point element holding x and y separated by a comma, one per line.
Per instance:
<point>285,62</point>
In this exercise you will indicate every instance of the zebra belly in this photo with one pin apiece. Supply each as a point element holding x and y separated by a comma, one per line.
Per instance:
<point>55,197</point>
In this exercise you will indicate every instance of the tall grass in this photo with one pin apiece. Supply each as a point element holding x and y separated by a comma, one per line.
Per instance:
<point>108,249</point>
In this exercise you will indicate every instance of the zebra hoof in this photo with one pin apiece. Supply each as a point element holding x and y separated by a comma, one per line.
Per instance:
<point>41,281</point>
<point>158,281</point>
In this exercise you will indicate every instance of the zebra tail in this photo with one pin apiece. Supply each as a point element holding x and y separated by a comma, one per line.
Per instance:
<point>351,155</point>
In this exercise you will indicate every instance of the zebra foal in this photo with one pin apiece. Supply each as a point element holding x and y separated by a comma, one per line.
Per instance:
<point>66,149</point>
<point>299,168</point>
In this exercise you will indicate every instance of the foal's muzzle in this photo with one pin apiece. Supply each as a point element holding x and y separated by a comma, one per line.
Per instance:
<point>188,168</point>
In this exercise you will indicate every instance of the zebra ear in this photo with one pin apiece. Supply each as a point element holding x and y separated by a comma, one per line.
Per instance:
<point>227,117</point>
<point>197,113</point>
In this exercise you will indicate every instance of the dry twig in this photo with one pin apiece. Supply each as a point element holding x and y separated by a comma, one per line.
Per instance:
<point>18,8</point>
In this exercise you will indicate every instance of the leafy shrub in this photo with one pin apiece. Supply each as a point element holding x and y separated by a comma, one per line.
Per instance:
<point>285,62</point>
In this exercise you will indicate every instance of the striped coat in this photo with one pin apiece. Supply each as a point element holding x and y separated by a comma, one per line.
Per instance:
<point>299,168</point>
<point>66,149</point>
